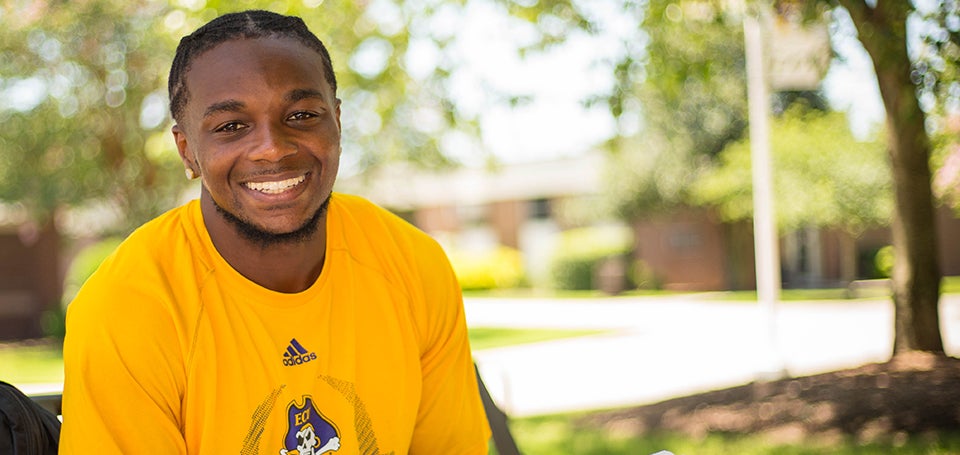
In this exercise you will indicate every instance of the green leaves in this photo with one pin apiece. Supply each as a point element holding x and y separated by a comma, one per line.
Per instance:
<point>90,65</point>
<point>823,176</point>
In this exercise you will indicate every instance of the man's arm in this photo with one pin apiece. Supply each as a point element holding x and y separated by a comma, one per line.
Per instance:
<point>451,418</point>
<point>124,375</point>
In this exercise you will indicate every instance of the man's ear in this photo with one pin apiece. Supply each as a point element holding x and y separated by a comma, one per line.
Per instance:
<point>339,128</point>
<point>183,148</point>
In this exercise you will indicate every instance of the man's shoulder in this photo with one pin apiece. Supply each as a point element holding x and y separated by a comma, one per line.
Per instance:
<point>362,222</point>
<point>148,248</point>
<point>175,225</point>
<point>358,210</point>
<point>144,265</point>
<point>357,205</point>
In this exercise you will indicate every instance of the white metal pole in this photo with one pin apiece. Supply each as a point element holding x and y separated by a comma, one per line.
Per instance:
<point>764,224</point>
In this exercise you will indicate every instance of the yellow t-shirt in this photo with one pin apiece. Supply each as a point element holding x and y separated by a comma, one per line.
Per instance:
<point>170,350</point>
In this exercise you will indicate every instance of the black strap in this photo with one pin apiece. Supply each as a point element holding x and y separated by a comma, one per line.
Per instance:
<point>502,438</point>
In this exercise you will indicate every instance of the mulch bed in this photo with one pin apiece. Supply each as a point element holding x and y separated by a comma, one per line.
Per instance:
<point>915,393</point>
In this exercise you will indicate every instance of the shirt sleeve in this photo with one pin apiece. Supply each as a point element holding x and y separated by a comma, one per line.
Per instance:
<point>451,419</point>
<point>124,373</point>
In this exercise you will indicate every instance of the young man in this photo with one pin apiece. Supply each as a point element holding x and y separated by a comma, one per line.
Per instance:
<point>271,316</point>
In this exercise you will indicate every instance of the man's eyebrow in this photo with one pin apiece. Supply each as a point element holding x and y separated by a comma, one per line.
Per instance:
<point>302,94</point>
<point>223,106</point>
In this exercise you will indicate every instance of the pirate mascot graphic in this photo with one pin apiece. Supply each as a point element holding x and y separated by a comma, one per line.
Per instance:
<point>308,431</point>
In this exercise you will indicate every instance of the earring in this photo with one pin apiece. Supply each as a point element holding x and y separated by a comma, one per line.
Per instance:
<point>191,174</point>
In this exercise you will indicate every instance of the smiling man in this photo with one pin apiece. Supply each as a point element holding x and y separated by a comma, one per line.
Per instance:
<point>271,315</point>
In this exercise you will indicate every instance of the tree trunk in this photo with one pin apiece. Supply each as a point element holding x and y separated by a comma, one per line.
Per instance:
<point>916,272</point>
<point>848,256</point>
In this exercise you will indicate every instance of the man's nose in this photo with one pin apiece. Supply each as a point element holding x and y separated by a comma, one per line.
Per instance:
<point>273,144</point>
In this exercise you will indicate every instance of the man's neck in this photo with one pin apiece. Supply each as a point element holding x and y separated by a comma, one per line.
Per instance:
<point>287,267</point>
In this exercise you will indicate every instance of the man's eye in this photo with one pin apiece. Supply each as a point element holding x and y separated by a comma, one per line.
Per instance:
<point>229,127</point>
<point>302,116</point>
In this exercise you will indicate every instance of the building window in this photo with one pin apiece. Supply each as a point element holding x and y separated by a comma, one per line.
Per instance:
<point>684,239</point>
<point>472,215</point>
<point>539,209</point>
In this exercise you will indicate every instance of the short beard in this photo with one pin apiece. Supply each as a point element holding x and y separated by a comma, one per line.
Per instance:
<point>264,238</point>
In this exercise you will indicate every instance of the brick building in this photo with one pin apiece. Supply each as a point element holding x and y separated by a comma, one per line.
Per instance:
<point>689,249</point>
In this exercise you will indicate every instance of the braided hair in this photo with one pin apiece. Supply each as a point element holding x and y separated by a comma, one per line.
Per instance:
<point>235,26</point>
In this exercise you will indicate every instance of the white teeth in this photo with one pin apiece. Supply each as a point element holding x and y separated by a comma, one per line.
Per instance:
<point>275,187</point>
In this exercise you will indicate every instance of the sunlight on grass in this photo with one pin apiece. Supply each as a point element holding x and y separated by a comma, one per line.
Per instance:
<point>34,363</point>
<point>950,285</point>
<point>486,337</point>
<point>786,295</point>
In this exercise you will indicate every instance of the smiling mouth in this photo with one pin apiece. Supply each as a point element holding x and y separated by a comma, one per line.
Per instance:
<point>275,187</point>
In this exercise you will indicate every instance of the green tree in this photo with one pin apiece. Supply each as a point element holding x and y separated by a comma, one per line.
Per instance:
<point>882,28</point>
<point>823,175</point>
<point>82,99</point>
<point>937,71</point>
<point>687,87</point>
<point>644,177</point>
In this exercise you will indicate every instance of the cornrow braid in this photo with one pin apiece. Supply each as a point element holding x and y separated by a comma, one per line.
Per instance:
<point>235,26</point>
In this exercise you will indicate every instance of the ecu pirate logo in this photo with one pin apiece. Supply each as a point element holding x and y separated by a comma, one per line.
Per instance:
<point>308,431</point>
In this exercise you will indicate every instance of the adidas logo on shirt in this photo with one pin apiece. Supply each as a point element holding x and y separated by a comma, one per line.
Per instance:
<point>296,354</point>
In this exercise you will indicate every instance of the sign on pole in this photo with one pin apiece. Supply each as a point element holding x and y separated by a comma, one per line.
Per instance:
<point>799,54</point>
<point>796,59</point>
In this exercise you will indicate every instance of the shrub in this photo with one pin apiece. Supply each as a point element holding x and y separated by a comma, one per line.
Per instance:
<point>580,251</point>
<point>642,275</point>
<point>84,264</point>
<point>883,262</point>
<point>496,268</point>
<point>53,322</point>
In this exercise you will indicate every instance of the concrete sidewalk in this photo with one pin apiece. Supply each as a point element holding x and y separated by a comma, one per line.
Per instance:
<point>661,348</point>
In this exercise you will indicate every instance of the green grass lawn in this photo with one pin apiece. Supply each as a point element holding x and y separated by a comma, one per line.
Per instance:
<point>786,295</point>
<point>561,434</point>
<point>31,363</point>
<point>950,285</point>
<point>488,337</point>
